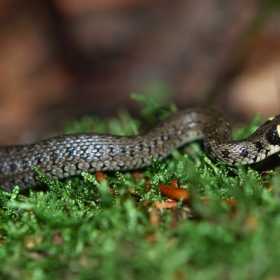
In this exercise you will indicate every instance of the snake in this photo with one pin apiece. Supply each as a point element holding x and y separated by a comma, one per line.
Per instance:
<point>63,156</point>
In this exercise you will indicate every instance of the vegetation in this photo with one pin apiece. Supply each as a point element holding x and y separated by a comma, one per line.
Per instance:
<point>124,228</point>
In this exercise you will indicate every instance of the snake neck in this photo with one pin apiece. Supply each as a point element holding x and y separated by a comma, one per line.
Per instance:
<point>184,127</point>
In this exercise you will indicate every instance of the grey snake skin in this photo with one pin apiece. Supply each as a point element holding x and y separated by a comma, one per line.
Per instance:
<point>67,155</point>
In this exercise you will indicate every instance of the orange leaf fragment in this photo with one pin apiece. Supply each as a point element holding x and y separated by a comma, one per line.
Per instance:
<point>100,176</point>
<point>136,175</point>
<point>174,192</point>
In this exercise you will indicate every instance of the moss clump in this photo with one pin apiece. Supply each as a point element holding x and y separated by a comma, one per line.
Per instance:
<point>84,229</point>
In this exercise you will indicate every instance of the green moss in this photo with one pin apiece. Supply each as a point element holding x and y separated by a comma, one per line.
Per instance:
<point>78,229</point>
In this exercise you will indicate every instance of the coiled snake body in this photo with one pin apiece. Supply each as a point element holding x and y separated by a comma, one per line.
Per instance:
<point>69,155</point>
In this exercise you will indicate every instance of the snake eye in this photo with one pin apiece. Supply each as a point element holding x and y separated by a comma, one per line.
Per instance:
<point>272,135</point>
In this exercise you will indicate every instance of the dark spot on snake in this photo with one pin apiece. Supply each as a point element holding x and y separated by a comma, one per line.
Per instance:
<point>258,146</point>
<point>266,152</point>
<point>272,136</point>
<point>226,153</point>
<point>131,152</point>
<point>142,161</point>
<point>244,153</point>
<point>123,150</point>
<point>39,160</point>
<point>141,147</point>
<point>25,164</point>
<point>255,158</point>
<point>53,156</point>
<point>1,170</point>
<point>70,154</point>
<point>13,167</point>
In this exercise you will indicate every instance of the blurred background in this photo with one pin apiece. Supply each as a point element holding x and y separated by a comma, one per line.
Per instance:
<point>62,59</point>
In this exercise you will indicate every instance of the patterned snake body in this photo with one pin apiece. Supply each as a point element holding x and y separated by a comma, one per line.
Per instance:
<point>69,155</point>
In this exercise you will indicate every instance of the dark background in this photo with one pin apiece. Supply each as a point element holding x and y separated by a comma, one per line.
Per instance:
<point>63,59</point>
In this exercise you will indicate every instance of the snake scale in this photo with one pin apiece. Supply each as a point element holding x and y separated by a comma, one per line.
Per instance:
<point>67,155</point>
